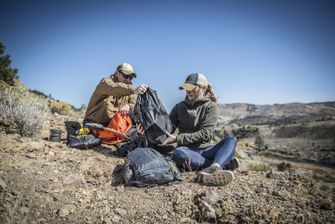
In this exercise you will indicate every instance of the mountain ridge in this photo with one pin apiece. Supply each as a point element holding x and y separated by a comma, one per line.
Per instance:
<point>245,113</point>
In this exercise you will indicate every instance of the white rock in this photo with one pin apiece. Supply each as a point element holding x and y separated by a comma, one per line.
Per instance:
<point>2,185</point>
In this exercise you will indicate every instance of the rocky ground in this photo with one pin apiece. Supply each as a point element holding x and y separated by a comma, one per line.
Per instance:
<point>48,182</point>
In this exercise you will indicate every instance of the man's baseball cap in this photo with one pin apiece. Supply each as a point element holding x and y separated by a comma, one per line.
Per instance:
<point>126,69</point>
<point>194,80</point>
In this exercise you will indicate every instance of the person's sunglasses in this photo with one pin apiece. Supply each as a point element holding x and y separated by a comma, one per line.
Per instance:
<point>130,77</point>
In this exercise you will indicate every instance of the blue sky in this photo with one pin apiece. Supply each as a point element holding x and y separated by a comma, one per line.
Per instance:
<point>260,52</point>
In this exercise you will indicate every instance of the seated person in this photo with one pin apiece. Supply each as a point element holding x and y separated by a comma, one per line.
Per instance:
<point>113,94</point>
<point>196,117</point>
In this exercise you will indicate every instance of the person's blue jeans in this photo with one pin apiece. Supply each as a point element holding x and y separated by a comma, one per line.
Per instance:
<point>220,153</point>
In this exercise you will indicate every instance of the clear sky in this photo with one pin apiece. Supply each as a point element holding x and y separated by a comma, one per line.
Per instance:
<point>260,52</point>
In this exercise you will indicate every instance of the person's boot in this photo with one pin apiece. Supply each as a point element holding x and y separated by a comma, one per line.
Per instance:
<point>214,175</point>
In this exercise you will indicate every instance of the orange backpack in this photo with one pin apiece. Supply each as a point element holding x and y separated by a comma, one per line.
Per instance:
<point>115,131</point>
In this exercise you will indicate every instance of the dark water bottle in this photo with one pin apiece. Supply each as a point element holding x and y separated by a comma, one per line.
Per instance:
<point>55,135</point>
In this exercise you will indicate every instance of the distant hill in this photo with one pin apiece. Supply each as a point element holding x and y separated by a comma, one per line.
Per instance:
<point>244,114</point>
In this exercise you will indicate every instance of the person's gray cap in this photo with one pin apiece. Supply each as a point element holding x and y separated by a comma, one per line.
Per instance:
<point>194,80</point>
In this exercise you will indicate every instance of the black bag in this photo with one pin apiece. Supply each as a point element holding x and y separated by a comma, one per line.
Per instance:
<point>150,112</point>
<point>82,141</point>
<point>72,127</point>
<point>134,141</point>
<point>79,140</point>
<point>147,167</point>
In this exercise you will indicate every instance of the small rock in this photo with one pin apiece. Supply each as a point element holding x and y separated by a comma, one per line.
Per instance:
<point>274,213</point>
<point>300,218</point>
<point>121,211</point>
<point>158,217</point>
<point>207,202</point>
<point>15,193</point>
<point>66,210</point>
<point>116,219</point>
<point>63,212</point>
<point>70,179</point>
<point>184,220</point>
<point>41,220</point>
<point>24,210</point>
<point>260,222</point>
<point>51,153</point>
<point>120,189</point>
<point>326,205</point>
<point>56,198</point>
<point>57,190</point>
<point>2,185</point>
<point>31,155</point>
<point>275,193</point>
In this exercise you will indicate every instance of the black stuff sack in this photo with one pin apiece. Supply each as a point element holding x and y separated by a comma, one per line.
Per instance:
<point>134,141</point>
<point>147,167</point>
<point>150,112</point>
<point>78,137</point>
<point>83,141</point>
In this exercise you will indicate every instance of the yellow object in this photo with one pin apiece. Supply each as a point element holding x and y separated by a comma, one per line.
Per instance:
<point>84,131</point>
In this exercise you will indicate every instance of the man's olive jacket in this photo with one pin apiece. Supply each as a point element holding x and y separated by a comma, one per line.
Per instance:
<point>108,97</point>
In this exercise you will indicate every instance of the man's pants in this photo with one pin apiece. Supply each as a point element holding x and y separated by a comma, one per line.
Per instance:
<point>220,153</point>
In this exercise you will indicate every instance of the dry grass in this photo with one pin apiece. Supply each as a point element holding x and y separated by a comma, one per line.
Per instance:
<point>61,108</point>
<point>283,166</point>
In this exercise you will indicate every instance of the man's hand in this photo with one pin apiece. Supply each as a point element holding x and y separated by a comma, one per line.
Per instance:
<point>125,109</point>
<point>140,129</point>
<point>141,89</point>
<point>170,139</point>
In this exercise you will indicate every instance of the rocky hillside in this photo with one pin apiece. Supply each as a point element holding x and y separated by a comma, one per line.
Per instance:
<point>300,132</point>
<point>276,114</point>
<point>48,182</point>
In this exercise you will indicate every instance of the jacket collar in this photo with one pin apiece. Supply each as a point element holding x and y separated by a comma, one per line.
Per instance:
<point>197,102</point>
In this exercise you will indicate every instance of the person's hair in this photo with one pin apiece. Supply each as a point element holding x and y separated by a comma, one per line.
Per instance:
<point>211,92</point>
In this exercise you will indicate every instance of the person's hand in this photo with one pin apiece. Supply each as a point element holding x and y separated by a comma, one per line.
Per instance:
<point>170,139</point>
<point>125,109</point>
<point>141,89</point>
<point>140,129</point>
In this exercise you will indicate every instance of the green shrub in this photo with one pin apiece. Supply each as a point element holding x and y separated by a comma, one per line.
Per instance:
<point>7,73</point>
<point>283,166</point>
<point>60,108</point>
<point>260,167</point>
<point>259,142</point>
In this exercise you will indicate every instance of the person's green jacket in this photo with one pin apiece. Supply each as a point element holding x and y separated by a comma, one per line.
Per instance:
<point>196,121</point>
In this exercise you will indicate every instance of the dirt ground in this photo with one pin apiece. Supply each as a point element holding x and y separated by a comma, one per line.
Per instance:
<point>48,182</point>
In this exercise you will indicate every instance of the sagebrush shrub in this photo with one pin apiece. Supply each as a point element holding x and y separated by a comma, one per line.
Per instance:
<point>259,167</point>
<point>60,108</point>
<point>283,166</point>
<point>23,111</point>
